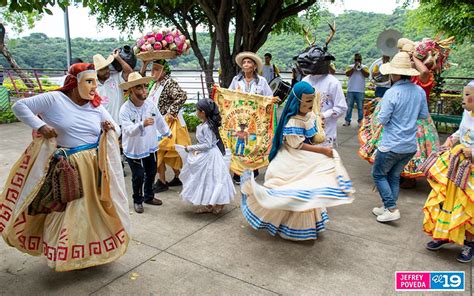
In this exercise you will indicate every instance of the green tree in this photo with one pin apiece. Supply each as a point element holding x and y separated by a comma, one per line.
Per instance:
<point>252,22</point>
<point>453,17</point>
<point>17,21</point>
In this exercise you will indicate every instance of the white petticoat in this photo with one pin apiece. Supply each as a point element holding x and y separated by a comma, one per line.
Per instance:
<point>206,177</point>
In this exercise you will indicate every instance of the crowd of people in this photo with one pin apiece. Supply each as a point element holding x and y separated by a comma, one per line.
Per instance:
<point>72,196</point>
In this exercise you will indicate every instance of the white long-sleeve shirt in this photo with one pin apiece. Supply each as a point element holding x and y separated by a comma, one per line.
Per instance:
<point>75,125</point>
<point>111,94</point>
<point>333,103</point>
<point>139,141</point>
<point>260,88</point>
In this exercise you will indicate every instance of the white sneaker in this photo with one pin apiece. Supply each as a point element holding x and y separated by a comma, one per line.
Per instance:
<point>378,211</point>
<point>389,216</point>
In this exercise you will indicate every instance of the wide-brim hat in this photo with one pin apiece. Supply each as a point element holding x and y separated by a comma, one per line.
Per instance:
<point>249,55</point>
<point>405,44</point>
<point>135,79</point>
<point>400,65</point>
<point>100,62</point>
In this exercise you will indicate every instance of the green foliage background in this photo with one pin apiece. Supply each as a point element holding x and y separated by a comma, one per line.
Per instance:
<point>356,32</point>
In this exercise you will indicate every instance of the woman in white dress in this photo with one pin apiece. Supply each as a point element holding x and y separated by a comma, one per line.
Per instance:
<point>302,178</point>
<point>205,174</point>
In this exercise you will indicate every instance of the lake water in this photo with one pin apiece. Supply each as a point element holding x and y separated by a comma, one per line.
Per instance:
<point>193,82</point>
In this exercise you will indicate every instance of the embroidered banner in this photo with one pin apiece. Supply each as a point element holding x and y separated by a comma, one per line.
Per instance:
<point>248,123</point>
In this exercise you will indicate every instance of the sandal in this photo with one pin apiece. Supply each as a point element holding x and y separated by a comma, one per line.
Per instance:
<point>217,209</point>
<point>204,210</point>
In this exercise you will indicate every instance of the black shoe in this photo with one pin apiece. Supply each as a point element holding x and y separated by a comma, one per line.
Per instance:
<point>138,208</point>
<point>175,182</point>
<point>154,202</point>
<point>236,179</point>
<point>255,174</point>
<point>160,187</point>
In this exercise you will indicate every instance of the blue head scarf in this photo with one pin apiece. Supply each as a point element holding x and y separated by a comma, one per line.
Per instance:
<point>292,108</point>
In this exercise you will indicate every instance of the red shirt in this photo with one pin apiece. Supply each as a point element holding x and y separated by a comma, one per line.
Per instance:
<point>427,87</point>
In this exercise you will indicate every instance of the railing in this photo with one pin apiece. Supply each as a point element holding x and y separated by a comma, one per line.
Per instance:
<point>192,81</point>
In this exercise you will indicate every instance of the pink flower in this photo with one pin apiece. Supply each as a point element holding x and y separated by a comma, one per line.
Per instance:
<point>169,38</point>
<point>151,40</point>
<point>178,41</point>
<point>158,36</point>
<point>140,42</point>
<point>164,44</point>
<point>157,46</point>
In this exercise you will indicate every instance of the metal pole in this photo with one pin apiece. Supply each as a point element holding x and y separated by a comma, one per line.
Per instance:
<point>68,38</point>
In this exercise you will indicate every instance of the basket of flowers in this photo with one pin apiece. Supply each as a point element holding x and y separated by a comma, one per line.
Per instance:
<point>161,44</point>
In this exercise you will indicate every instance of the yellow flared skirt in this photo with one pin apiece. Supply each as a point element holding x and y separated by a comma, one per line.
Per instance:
<point>167,152</point>
<point>449,210</point>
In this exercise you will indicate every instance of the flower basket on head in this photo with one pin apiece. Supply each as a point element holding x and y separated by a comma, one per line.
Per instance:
<point>157,55</point>
<point>161,44</point>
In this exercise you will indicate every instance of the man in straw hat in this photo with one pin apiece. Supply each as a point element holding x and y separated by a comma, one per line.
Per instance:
<point>402,105</point>
<point>141,125</point>
<point>108,84</point>
<point>169,97</point>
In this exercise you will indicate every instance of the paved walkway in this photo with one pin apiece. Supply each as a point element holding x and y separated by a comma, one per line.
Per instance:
<point>177,252</point>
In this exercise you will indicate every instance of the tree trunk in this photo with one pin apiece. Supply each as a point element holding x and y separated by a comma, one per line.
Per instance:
<point>6,53</point>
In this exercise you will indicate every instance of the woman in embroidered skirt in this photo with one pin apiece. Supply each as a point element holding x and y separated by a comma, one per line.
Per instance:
<point>65,197</point>
<point>449,209</point>
<point>302,178</point>
<point>205,175</point>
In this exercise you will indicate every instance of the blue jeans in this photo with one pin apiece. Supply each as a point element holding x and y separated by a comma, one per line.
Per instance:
<point>240,144</point>
<point>380,91</point>
<point>388,167</point>
<point>358,98</point>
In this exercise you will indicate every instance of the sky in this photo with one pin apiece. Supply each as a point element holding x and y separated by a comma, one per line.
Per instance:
<point>83,25</point>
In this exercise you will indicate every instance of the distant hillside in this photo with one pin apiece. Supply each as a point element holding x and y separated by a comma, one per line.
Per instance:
<point>356,32</point>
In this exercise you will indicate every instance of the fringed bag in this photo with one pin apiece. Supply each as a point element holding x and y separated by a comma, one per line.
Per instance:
<point>459,170</point>
<point>431,160</point>
<point>66,179</point>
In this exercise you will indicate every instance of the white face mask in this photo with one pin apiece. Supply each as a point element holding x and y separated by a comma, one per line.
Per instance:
<point>87,85</point>
<point>306,104</point>
<point>468,98</point>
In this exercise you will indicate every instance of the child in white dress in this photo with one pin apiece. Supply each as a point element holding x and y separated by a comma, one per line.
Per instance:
<point>205,175</point>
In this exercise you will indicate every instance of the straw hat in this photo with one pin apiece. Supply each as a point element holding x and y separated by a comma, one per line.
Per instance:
<point>405,44</point>
<point>135,79</point>
<point>250,55</point>
<point>400,64</point>
<point>100,62</point>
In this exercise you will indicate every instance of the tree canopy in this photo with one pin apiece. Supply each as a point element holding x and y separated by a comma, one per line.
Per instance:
<point>248,22</point>
<point>350,38</point>
<point>453,17</point>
